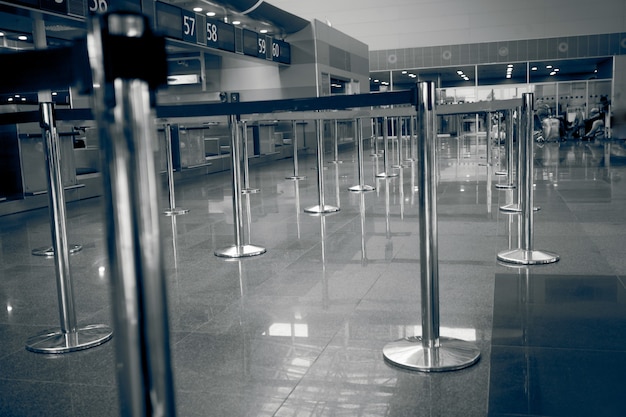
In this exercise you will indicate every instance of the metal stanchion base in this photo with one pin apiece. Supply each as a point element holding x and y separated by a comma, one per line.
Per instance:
<point>505,186</point>
<point>295,178</point>
<point>240,251</point>
<point>386,175</point>
<point>335,162</point>
<point>56,341</point>
<point>451,355</point>
<point>527,257</point>
<point>48,251</point>
<point>501,173</point>
<point>175,212</point>
<point>321,209</point>
<point>362,188</point>
<point>250,190</point>
<point>400,166</point>
<point>514,209</point>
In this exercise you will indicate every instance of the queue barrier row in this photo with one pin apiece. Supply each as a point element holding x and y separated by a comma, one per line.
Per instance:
<point>123,110</point>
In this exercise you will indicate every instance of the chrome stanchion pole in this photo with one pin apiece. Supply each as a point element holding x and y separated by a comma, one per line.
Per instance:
<point>128,63</point>
<point>296,176</point>
<point>429,352</point>
<point>509,155</point>
<point>321,208</point>
<point>515,207</point>
<point>525,254</point>
<point>385,173</point>
<point>361,186</point>
<point>374,145</point>
<point>336,146</point>
<point>69,337</point>
<point>502,173</point>
<point>172,211</point>
<point>246,171</point>
<point>239,249</point>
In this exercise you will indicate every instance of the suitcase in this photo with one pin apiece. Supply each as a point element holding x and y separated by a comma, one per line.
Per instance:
<point>550,128</point>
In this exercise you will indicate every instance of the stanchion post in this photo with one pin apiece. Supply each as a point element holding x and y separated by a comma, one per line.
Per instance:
<point>336,144</point>
<point>246,170</point>
<point>526,254</point>
<point>172,211</point>
<point>128,63</point>
<point>374,144</point>
<point>239,249</point>
<point>361,186</point>
<point>69,337</point>
<point>294,141</point>
<point>509,155</point>
<point>385,173</point>
<point>321,208</point>
<point>429,352</point>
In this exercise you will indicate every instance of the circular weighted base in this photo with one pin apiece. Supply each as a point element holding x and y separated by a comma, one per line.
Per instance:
<point>56,341</point>
<point>362,188</point>
<point>321,209</point>
<point>505,186</point>
<point>295,178</point>
<point>452,354</point>
<point>386,175</point>
<point>175,212</point>
<point>48,251</point>
<point>527,257</point>
<point>250,191</point>
<point>240,251</point>
<point>335,162</point>
<point>501,173</point>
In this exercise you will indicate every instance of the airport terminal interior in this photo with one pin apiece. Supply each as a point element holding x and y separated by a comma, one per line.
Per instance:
<point>305,317</point>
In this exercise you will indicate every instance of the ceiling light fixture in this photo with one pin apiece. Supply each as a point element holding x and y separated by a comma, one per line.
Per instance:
<point>210,14</point>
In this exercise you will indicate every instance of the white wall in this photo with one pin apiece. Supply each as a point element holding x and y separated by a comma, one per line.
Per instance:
<point>393,24</point>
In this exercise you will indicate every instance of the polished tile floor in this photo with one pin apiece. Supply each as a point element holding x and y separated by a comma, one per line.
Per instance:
<point>299,330</point>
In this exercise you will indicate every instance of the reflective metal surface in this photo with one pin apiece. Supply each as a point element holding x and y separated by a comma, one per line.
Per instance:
<point>322,207</point>
<point>525,254</point>
<point>449,355</point>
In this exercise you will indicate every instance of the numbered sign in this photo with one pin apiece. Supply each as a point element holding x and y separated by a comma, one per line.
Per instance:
<point>281,51</point>
<point>190,26</point>
<point>220,35</point>
<point>97,6</point>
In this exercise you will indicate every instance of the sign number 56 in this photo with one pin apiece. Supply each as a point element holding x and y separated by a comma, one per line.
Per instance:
<point>98,6</point>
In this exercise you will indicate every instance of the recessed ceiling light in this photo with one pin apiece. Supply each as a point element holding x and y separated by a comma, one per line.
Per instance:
<point>263,31</point>
<point>404,72</point>
<point>459,72</point>
<point>22,37</point>
<point>210,14</point>
<point>553,73</point>
<point>197,9</point>
<point>548,66</point>
<point>510,66</point>
<point>376,81</point>
<point>1,33</point>
<point>533,69</point>
<point>236,22</point>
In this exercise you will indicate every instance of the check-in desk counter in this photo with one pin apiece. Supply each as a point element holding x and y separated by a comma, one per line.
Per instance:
<point>24,162</point>
<point>205,146</point>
